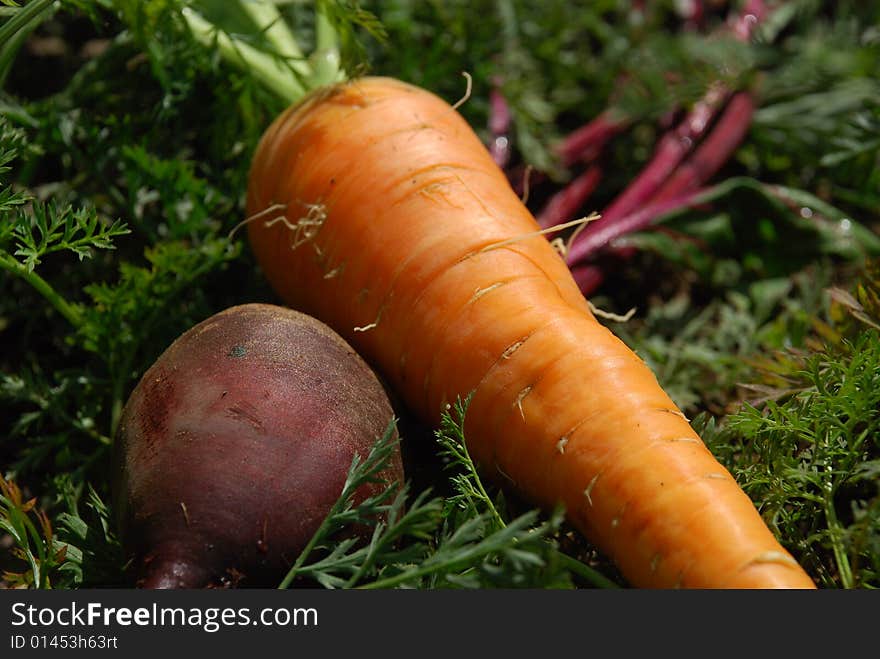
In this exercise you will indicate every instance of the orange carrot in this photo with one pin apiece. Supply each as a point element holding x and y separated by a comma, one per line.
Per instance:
<point>398,230</point>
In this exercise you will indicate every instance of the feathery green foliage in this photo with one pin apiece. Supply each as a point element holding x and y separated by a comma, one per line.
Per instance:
<point>414,544</point>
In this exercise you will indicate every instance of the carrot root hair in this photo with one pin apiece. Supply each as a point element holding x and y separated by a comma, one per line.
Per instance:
<point>580,222</point>
<point>274,208</point>
<point>306,227</point>
<point>618,318</point>
<point>467,91</point>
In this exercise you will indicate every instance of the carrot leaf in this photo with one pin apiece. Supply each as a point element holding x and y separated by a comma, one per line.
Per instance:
<point>412,545</point>
<point>470,496</point>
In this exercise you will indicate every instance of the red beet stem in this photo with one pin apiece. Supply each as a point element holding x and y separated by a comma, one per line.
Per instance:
<point>672,149</point>
<point>585,143</point>
<point>564,205</point>
<point>716,149</point>
<point>679,191</point>
<point>499,112</point>
<point>587,244</point>
<point>665,183</point>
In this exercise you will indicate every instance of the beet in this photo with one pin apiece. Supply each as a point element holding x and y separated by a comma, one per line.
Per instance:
<point>235,444</point>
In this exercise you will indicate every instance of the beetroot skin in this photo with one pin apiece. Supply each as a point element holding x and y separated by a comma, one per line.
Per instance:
<point>235,444</point>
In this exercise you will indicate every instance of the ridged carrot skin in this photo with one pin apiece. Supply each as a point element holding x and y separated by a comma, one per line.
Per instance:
<point>400,232</point>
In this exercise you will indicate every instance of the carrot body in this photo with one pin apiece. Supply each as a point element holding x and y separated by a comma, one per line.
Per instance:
<point>401,233</point>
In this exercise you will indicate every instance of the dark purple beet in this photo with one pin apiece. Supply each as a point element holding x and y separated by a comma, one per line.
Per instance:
<point>235,444</point>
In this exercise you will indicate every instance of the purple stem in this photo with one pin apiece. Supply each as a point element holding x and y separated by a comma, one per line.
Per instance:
<point>680,191</point>
<point>716,149</point>
<point>585,143</point>
<point>563,205</point>
<point>589,276</point>
<point>672,149</point>
<point>645,216</point>
<point>499,112</point>
<point>665,183</point>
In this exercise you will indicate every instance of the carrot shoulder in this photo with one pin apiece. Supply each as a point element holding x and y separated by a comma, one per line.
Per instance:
<point>399,231</point>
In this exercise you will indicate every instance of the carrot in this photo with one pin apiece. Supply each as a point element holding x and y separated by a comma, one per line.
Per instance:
<point>378,210</point>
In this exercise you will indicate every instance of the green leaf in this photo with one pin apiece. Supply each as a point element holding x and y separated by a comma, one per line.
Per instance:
<point>94,553</point>
<point>45,229</point>
<point>471,498</point>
